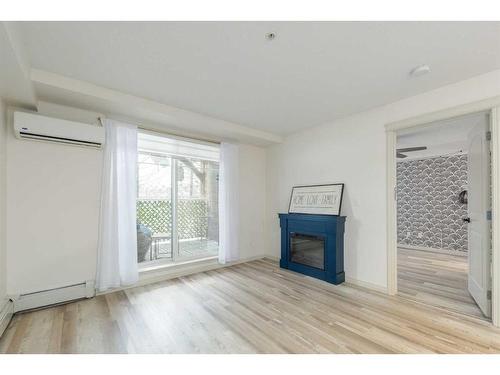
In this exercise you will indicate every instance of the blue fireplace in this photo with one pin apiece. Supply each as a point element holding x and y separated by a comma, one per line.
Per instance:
<point>313,245</point>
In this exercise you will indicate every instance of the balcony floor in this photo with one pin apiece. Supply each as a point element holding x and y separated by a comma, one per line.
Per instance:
<point>188,249</point>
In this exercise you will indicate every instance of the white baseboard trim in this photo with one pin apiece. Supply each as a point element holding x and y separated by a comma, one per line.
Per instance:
<point>54,296</point>
<point>348,280</point>
<point>433,250</point>
<point>147,277</point>
<point>366,284</point>
<point>166,275</point>
<point>271,257</point>
<point>6,312</point>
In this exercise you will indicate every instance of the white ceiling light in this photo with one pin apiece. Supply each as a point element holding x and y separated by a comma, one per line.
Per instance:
<point>420,70</point>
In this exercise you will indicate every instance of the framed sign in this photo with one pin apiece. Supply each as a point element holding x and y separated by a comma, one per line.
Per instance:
<point>316,199</point>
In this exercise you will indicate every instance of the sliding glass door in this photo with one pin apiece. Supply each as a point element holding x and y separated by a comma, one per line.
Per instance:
<point>197,219</point>
<point>154,207</point>
<point>177,203</point>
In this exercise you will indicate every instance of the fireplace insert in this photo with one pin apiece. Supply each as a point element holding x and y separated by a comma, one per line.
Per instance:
<point>307,249</point>
<point>313,245</point>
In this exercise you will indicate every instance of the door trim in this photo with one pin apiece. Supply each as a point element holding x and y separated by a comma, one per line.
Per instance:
<point>495,219</point>
<point>175,201</point>
<point>493,106</point>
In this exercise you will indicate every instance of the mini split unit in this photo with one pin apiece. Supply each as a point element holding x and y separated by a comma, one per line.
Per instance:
<point>36,127</point>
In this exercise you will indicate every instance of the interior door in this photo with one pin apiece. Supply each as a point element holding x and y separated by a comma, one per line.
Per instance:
<point>479,254</point>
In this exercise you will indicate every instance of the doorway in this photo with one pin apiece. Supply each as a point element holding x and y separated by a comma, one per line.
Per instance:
<point>443,187</point>
<point>471,277</point>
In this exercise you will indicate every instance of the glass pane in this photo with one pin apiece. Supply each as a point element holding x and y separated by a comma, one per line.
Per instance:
<point>197,207</point>
<point>154,207</point>
<point>307,250</point>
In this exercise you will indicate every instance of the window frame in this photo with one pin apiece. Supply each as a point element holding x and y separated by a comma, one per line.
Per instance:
<point>174,198</point>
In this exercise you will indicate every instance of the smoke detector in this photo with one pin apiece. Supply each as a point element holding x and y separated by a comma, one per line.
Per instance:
<point>420,70</point>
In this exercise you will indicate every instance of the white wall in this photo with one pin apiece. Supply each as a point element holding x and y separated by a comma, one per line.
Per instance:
<point>53,208</point>
<point>3,252</point>
<point>352,150</point>
<point>53,212</point>
<point>252,201</point>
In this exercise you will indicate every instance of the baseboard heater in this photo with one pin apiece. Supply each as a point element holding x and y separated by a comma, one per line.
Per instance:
<point>54,296</point>
<point>6,312</point>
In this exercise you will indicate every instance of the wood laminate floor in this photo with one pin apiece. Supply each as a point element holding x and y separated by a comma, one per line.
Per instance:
<point>253,307</point>
<point>436,279</point>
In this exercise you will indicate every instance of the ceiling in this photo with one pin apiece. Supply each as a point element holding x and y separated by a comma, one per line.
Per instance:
<point>441,137</point>
<point>14,74</point>
<point>311,73</point>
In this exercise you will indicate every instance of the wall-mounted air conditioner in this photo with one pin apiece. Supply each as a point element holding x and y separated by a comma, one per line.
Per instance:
<point>43,128</point>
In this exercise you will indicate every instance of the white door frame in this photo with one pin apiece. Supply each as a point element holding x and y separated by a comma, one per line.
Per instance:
<point>493,106</point>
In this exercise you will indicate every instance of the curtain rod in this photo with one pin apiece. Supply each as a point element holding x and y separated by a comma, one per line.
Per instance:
<point>162,132</point>
<point>166,133</point>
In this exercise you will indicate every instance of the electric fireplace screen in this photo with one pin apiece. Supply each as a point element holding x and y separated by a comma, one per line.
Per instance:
<point>307,250</point>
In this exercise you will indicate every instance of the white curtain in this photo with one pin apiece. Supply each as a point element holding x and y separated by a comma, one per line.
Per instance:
<point>229,203</point>
<point>117,252</point>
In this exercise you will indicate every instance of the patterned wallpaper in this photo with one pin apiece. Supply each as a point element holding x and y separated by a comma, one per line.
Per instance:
<point>427,192</point>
